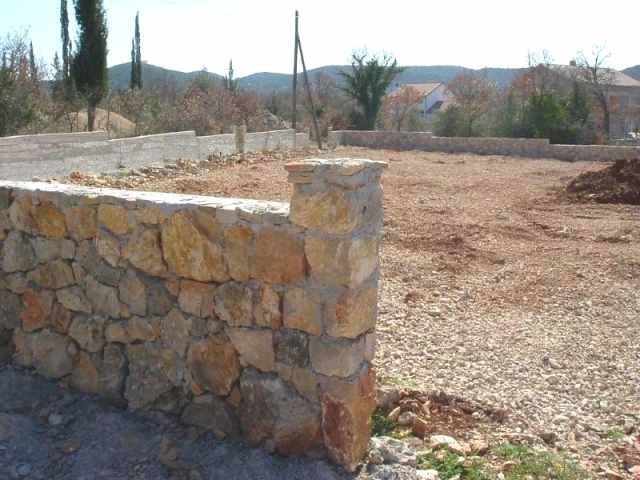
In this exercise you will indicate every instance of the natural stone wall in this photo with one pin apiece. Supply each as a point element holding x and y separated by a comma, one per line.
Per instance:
<point>250,319</point>
<point>44,156</point>
<point>522,147</point>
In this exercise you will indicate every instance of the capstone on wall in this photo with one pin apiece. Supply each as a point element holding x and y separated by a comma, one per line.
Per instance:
<point>251,319</point>
<point>522,147</point>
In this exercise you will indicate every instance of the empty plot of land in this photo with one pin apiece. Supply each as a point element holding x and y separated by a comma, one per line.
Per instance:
<point>496,285</point>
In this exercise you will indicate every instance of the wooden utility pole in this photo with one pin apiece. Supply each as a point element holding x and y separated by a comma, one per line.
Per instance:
<point>295,76</point>
<point>298,48</point>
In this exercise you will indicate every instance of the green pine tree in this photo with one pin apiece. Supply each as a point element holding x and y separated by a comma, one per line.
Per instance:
<point>89,64</point>
<point>367,84</point>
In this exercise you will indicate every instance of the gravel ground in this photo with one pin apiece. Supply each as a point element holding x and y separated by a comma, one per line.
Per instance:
<point>496,287</point>
<point>49,433</point>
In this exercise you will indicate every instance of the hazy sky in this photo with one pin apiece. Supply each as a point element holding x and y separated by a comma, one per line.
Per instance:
<point>191,34</point>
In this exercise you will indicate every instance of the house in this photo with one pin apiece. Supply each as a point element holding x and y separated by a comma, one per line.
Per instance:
<point>433,97</point>
<point>623,93</point>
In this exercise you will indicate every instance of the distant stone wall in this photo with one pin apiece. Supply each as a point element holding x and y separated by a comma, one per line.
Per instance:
<point>251,319</point>
<point>522,147</point>
<point>45,156</point>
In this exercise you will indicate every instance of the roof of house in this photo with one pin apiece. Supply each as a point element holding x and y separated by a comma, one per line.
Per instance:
<point>617,78</point>
<point>422,88</point>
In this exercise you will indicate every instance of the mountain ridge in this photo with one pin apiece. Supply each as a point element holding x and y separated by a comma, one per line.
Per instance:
<point>269,82</point>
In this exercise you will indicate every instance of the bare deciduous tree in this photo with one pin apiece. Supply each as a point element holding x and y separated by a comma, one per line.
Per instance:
<point>593,72</point>
<point>399,105</point>
<point>472,95</point>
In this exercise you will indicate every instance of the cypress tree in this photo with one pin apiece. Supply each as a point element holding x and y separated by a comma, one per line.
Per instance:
<point>89,64</point>
<point>66,49</point>
<point>33,70</point>
<point>136,58</point>
<point>138,52</point>
<point>133,82</point>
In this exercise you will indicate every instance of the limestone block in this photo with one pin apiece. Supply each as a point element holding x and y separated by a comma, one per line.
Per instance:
<point>60,318</point>
<point>214,365</point>
<point>144,252</point>
<point>21,213</point>
<point>159,302</point>
<point>104,299</point>
<point>150,216</point>
<point>153,371</point>
<point>144,329</point>
<point>212,414</point>
<point>196,298</point>
<point>303,379</point>
<point>291,348</point>
<point>108,247</point>
<point>38,305</point>
<point>279,256</point>
<point>53,275</point>
<point>114,218</point>
<point>238,242</point>
<point>16,283</point>
<point>347,406</point>
<point>189,251</point>
<point>273,411</point>
<point>332,357</point>
<point>81,222</point>
<point>175,332</point>
<point>268,308</point>
<point>117,332</point>
<point>303,310</point>
<point>88,332</point>
<point>133,293</point>
<point>17,253</point>
<point>255,347</point>
<point>332,210</point>
<point>47,249</point>
<point>50,353</point>
<point>10,310</point>
<point>355,312</point>
<point>74,299</point>
<point>342,261</point>
<point>50,222</point>
<point>234,304</point>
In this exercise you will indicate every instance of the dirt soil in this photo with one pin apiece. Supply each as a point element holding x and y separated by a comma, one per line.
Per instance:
<point>496,287</point>
<point>617,183</point>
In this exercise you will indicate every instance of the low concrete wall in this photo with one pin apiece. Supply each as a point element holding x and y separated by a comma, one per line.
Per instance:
<point>523,147</point>
<point>53,138</point>
<point>45,156</point>
<point>248,318</point>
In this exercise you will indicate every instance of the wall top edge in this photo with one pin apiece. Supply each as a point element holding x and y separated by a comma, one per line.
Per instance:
<point>163,201</point>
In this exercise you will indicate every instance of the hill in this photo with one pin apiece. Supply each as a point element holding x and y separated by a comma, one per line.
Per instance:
<point>267,82</point>
<point>153,76</point>
<point>633,72</point>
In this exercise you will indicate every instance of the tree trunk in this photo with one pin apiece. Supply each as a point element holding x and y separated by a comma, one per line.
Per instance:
<point>607,122</point>
<point>91,116</point>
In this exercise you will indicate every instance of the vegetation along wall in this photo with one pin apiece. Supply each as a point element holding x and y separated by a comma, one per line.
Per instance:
<point>252,319</point>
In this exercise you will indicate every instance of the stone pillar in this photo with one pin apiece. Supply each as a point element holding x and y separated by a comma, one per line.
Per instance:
<point>339,205</point>
<point>240,135</point>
